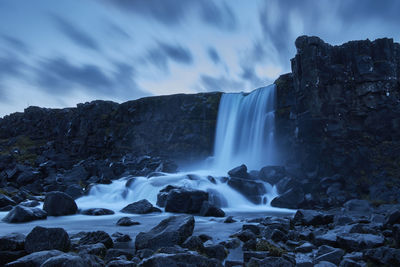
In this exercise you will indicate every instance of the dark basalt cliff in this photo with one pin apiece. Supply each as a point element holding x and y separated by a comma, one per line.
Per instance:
<point>339,113</point>
<point>175,126</point>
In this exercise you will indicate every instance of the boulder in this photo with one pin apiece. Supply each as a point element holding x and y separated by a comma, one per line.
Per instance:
<point>193,243</point>
<point>58,204</point>
<point>65,259</point>
<point>252,190</point>
<point>140,207</point>
<point>182,260</point>
<point>97,249</point>
<point>210,210</point>
<point>218,252</point>
<point>12,242</point>
<point>96,237</point>
<point>169,232</point>
<point>357,205</point>
<point>21,214</point>
<point>116,253</point>
<point>290,199</point>
<point>239,172</point>
<point>35,259</point>
<point>384,256</point>
<point>6,201</point>
<point>312,217</point>
<point>185,201</point>
<point>126,221</point>
<point>358,242</point>
<point>97,212</point>
<point>41,238</point>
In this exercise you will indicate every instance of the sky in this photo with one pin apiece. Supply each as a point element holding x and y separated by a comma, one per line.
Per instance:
<point>59,53</point>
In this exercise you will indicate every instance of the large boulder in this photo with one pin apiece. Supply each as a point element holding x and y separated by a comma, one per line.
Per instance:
<point>251,189</point>
<point>239,172</point>
<point>21,214</point>
<point>140,207</point>
<point>210,210</point>
<point>169,232</point>
<point>181,260</point>
<point>290,199</point>
<point>58,204</point>
<point>35,259</point>
<point>41,238</point>
<point>185,200</point>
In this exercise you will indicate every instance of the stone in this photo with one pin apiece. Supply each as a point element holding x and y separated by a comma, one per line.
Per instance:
<point>121,263</point>
<point>185,201</point>
<point>140,207</point>
<point>245,235</point>
<point>393,217</point>
<point>305,248</point>
<point>97,212</point>
<point>6,201</point>
<point>21,214</point>
<point>334,256</point>
<point>96,237</point>
<point>30,203</point>
<point>115,253</point>
<point>181,260</point>
<point>41,238</point>
<point>254,191</point>
<point>270,262</point>
<point>290,199</point>
<point>75,191</point>
<point>193,243</point>
<point>97,249</point>
<point>215,251</point>
<point>357,205</point>
<point>357,242</point>
<point>329,238</point>
<point>64,260</point>
<point>126,221</point>
<point>12,242</point>
<point>35,259</point>
<point>312,217</point>
<point>169,232</point>
<point>210,210</point>
<point>58,204</point>
<point>229,219</point>
<point>239,172</point>
<point>303,260</point>
<point>10,256</point>
<point>384,256</point>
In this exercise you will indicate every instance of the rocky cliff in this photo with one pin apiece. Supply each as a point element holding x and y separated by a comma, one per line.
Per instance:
<point>339,113</point>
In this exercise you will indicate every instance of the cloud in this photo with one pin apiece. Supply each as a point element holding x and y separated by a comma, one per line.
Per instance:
<point>15,44</point>
<point>213,54</point>
<point>10,66</point>
<point>173,12</point>
<point>76,35</point>
<point>118,31</point>
<point>221,83</point>
<point>163,53</point>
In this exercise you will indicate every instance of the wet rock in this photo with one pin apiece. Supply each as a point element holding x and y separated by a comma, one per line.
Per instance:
<point>210,210</point>
<point>231,243</point>
<point>21,214</point>
<point>229,219</point>
<point>239,172</point>
<point>65,259</point>
<point>6,201</point>
<point>96,237</point>
<point>182,260</point>
<point>215,251</point>
<point>312,217</point>
<point>92,260</point>
<point>140,207</point>
<point>357,242</point>
<point>252,190</point>
<point>329,238</point>
<point>303,260</point>
<point>278,236</point>
<point>120,237</point>
<point>334,256</point>
<point>305,248</point>
<point>357,205</point>
<point>41,238</point>
<point>9,256</point>
<point>185,201</point>
<point>97,249</point>
<point>12,242</point>
<point>384,255</point>
<point>169,232</point>
<point>35,259</point>
<point>97,212</point>
<point>113,254</point>
<point>126,221</point>
<point>290,199</point>
<point>245,235</point>
<point>193,243</point>
<point>30,203</point>
<point>58,204</point>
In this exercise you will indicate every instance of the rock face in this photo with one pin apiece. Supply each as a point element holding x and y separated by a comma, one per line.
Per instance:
<point>338,113</point>
<point>176,126</point>
<point>169,232</point>
<point>59,203</point>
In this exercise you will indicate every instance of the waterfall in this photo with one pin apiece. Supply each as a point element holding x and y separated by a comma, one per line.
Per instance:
<point>244,135</point>
<point>245,130</point>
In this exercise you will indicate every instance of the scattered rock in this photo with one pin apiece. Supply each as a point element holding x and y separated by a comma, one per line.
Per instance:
<point>290,199</point>
<point>239,172</point>
<point>97,212</point>
<point>21,214</point>
<point>96,237</point>
<point>126,221</point>
<point>140,207</point>
<point>169,232</point>
<point>58,204</point>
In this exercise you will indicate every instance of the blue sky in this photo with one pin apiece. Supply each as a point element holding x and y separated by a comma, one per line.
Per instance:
<point>60,53</point>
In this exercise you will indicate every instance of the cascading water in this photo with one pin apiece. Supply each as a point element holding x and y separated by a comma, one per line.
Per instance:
<point>245,134</point>
<point>245,130</point>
